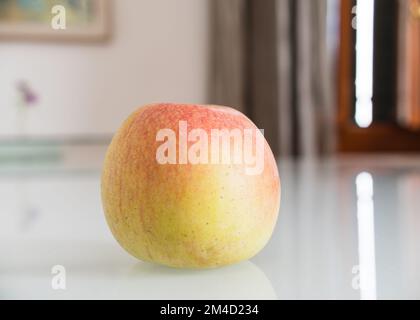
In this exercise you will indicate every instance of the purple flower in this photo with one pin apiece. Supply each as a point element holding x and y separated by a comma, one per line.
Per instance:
<point>29,97</point>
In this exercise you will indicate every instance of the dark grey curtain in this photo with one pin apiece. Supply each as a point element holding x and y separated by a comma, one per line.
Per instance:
<point>229,32</point>
<point>271,61</point>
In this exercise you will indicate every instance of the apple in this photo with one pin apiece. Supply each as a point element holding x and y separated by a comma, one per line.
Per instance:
<point>190,186</point>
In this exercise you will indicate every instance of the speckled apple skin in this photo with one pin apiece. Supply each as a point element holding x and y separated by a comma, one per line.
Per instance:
<point>186,215</point>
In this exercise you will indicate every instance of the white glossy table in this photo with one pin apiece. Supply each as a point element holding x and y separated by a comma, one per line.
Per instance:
<point>334,238</point>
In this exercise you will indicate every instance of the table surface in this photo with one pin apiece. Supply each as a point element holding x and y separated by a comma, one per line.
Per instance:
<point>349,228</point>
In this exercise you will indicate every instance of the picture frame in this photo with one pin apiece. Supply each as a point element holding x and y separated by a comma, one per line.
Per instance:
<point>87,20</point>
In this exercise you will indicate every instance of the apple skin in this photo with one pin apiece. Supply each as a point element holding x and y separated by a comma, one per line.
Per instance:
<point>186,215</point>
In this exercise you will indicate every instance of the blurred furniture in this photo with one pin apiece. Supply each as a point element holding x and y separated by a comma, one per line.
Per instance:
<point>409,64</point>
<point>385,134</point>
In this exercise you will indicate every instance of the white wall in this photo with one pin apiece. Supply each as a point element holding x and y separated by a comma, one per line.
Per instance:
<point>158,52</point>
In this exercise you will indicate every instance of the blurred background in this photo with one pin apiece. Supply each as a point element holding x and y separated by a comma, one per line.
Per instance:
<point>334,84</point>
<point>324,77</point>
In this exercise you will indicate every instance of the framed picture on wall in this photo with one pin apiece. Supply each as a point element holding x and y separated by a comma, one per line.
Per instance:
<point>54,19</point>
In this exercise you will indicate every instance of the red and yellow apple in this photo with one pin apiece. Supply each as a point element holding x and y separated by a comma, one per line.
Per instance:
<point>181,213</point>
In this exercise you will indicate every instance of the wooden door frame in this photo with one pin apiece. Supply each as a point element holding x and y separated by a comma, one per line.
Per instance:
<point>379,137</point>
